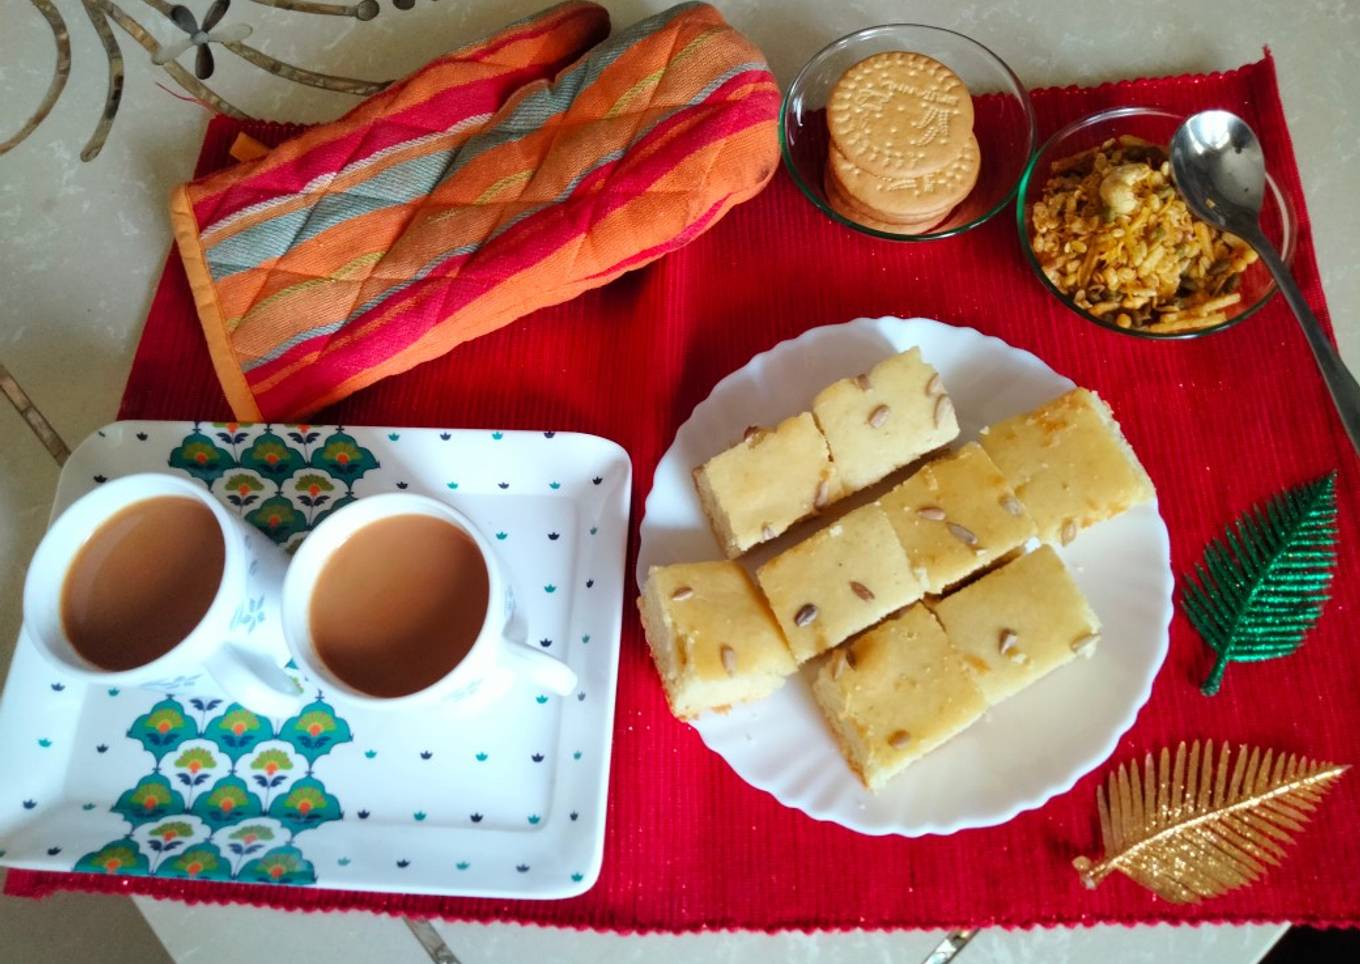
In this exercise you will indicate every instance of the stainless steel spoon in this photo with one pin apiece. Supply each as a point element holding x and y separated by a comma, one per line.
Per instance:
<point>1219,169</point>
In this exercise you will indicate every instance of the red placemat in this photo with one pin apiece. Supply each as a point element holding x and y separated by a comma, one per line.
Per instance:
<point>1220,422</point>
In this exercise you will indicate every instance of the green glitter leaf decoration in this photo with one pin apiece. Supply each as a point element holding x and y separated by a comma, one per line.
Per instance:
<point>1261,587</point>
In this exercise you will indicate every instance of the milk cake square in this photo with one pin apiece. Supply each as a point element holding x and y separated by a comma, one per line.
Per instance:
<point>1069,464</point>
<point>955,516</point>
<point>884,419</point>
<point>766,482</point>
<point>894,694</point>
<point>1018,623</point>
<point>838,581</point>
<point>712,637</point>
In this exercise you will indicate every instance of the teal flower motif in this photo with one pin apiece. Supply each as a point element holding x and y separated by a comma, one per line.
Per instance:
<point>243,490</point>
<point>540,699</point>
<point>481,757</point>
<point>232,433</point>
<point>502,536</point>
<point>577,878</point>
<point>199,456</point>
<point>453,485</point>
<point>462,865</point>
<point>273,766</point>
<point>163,728</point>
<point>550,588</point>
<point>282,865</point>
<point>228,802</point>
<point>585,638</point>
<point>272,458</point>
<point>343,458</point>
<point>343,861</point>
<point>167,838</point>
<point>195,765</point>
<point>593,530</point>
<point>200,862</point>
<point>196,758</point>
<point>534,819</point>
<point>419,815</point>
<point>237,731</point>
<point>393,436</point>
<point>119,857</point>
<point>151,799</point>
<point>304,435</point>
<point>313,490</point>
<point>306,805</point>
<point>576,755</point>
<point>277,518</point>
<point>370,754</point>
<point>497,436</point>
<point>315,731</point>
<point>249,839</point>
<point>44,742</point>
<point>554,485</point>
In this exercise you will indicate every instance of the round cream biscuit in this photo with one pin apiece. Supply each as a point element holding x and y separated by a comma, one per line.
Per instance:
<point>842,206</point>
<point>910,198</point>
<point>900,114</point>
<point>846,200</point>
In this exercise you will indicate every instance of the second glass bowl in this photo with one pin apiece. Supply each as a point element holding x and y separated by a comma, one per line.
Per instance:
<point>1003,119</point>
<point>1157,126</point>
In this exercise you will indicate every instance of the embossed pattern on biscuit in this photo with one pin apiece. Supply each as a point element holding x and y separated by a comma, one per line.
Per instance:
<point>900,114</point>
<point>916,196</point>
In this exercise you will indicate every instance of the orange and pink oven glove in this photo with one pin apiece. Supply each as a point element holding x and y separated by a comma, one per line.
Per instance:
<point>512,174</point>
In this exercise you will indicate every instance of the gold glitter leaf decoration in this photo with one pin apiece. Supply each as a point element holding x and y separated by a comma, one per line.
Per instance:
<point>1189,830</point>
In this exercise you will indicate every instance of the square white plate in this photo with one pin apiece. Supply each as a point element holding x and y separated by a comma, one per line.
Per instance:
<point>513,805</point>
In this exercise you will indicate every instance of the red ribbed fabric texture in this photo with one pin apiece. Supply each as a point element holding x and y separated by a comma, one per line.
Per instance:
<point>1220,422</point>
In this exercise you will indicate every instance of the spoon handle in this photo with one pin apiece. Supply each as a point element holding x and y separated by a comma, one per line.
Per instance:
<point>1340,382</point>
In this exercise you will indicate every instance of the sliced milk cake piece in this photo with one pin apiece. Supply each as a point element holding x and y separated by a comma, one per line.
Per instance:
<point>955,516</point>
<point>1069,464</point>
<point>894,694</point>
<point>838,581</point>
<point>1018,623</point>
<point>766,482</point>
<point>884,419</point>
<point>712,637</point>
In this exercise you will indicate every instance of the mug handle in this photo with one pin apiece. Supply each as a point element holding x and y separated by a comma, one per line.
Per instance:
<point>537,667</point>
<point>254,681</point>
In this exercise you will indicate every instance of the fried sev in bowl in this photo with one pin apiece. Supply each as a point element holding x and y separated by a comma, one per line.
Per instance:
<point>1103,225</point>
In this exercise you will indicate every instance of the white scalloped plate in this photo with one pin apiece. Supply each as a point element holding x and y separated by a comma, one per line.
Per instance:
<point>1026,750</point>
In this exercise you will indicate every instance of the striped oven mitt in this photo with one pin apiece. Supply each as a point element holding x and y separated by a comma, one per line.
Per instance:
<point>472,193</point>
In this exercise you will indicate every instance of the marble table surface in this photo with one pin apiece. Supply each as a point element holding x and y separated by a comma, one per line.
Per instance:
<point>82,243</point>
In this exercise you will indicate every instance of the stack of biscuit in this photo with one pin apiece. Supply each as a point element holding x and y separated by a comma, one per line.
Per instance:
<point>903,154</point>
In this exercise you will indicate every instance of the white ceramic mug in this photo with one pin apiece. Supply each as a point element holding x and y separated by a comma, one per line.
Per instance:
<point>237,648</point>
<point>494,658</point>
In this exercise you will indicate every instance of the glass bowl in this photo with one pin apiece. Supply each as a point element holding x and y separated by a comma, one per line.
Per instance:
<point>1003,120</point>
<point>1278,219</point>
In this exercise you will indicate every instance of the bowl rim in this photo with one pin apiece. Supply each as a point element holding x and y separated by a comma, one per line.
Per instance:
<point>811,193</point>
<point>1288,245</point>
